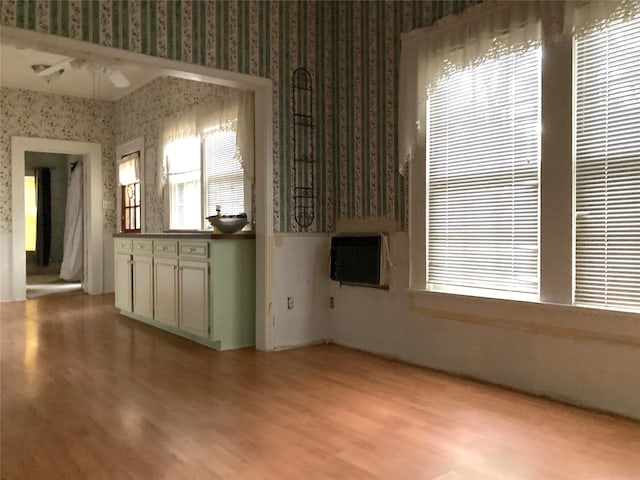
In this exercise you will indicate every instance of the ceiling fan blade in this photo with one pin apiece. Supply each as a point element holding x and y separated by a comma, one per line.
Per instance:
<point>118,79</point>
<point>54,68</point>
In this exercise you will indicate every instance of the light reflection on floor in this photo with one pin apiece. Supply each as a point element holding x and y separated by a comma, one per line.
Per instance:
<point>41,285</point>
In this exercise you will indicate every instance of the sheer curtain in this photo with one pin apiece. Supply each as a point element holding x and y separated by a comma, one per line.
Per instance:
<point>233,112</point>
<point>73,254</point>
<point>178,128</point>
<point>129,169</point>
<point>453,43</point>
<point>583,16</point>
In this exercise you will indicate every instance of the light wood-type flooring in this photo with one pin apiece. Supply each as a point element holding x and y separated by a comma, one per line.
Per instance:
<point>90,394</point>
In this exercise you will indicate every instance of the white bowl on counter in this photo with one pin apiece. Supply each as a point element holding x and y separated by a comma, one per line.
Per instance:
<point>228,225</point>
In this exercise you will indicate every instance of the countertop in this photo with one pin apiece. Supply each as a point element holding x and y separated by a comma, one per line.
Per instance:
<point>203,235</point>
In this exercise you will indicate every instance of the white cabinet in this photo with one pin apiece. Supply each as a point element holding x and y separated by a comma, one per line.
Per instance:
<point>203,290</point>
<point>142,274</point>
<point>181,286</point>
<point>193,287</point>
<point>122,274</point>
<point>143,285</point>
<point>165,290</point>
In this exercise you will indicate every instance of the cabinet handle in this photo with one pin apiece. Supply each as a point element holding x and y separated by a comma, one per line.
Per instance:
<point>191,250</point>
<point>163,248</point>
<point>139,246</point>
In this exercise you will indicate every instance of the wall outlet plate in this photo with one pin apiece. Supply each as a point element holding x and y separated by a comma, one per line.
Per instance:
<point>332,302</point>
<point>290,303</point>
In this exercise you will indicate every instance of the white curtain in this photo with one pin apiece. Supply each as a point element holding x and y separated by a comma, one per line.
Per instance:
<point>455,42</point>
<point>583,16</point>
<point>232,112</point>
<point>73,249</point>
<point>129,169</point>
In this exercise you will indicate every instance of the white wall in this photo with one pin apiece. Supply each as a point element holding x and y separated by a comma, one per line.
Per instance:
<point>583,356</point>
<point>369,318</point>
<point>301,271</point>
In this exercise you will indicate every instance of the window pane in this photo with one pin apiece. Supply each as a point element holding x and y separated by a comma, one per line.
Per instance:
<point>607,157</point>
<point>131,220</point>
<point>224,174</point>
<point>183,161</point>
<point>483,166</point>
<point>185,203</point>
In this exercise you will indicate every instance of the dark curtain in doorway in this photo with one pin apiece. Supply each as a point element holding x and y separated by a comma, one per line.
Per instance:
<point>43,218</point>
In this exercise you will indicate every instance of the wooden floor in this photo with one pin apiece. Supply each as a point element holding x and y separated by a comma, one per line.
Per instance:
<point>89,394</point>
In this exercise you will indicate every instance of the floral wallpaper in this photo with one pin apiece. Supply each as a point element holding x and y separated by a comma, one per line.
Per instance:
<point>352,49</point>
<point>36,114</point>
<point>141,114</point>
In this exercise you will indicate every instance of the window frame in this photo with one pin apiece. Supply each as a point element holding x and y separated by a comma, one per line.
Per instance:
<point>556,224</point>
<point>470,289</point>
<point>584,304</point>
<point>137,207</point>
<point>204,224</point>
<point>123,150</point>
<point>557,196</point>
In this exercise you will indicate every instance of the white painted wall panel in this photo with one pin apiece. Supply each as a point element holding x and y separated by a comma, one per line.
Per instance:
<point>301,271</point>
<point>598,373</point>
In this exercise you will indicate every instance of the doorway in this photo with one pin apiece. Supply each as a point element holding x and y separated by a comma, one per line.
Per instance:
<point>263,90</point>
<point>91,153</point>
<point>53,223</point>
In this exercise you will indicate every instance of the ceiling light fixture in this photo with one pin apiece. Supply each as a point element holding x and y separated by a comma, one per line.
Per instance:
<point>54,75</point>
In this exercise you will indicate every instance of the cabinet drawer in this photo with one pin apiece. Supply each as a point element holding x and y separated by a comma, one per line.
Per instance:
<point>142,247</point>
<point>123,245</point>
<point>165,247</point>
<point>194,249</point>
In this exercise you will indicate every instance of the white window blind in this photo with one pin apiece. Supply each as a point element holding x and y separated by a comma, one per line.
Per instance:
<point>183,166</point>
<point>224,174</point>
<point>607,139</point>
<point>483,150</point>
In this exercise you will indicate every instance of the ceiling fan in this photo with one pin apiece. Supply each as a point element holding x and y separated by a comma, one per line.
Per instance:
<point>53,72</point>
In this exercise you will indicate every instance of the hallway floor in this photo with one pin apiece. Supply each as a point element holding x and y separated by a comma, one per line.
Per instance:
<point>90,394</point>
<point>49,284</point>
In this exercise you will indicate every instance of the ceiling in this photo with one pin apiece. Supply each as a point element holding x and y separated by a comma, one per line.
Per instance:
<point>89,81</point>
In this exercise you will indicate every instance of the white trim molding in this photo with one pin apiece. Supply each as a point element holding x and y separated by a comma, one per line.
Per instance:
<point>92,153</point>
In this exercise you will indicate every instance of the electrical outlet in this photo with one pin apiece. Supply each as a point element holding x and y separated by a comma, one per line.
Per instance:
<point>290,303</point>
<point>331,303</point>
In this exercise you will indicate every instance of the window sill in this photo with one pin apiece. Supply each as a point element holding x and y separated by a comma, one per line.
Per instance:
<point>564,321</point>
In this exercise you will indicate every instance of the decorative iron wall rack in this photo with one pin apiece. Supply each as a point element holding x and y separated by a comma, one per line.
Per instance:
<point>304,163</point>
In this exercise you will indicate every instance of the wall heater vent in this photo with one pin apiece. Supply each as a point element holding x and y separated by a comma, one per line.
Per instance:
<point>360,259</point>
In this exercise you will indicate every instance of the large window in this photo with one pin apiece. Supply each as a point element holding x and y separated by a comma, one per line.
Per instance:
<point>203,174</point>
<point>483,156</point>
<point>531,185</point>
<point>607,161</point>
<point>209,160</point>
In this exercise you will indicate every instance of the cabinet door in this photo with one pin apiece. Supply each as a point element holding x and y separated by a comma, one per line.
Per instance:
<point>123,282</point>
<point>165,285</point>
<point>194,297</point>
<point>143,286</point>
